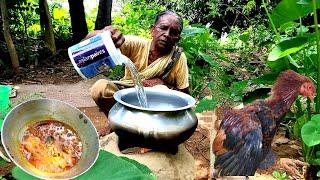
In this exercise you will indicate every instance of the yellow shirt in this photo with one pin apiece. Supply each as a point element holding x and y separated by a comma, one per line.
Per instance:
<point>137,49</point>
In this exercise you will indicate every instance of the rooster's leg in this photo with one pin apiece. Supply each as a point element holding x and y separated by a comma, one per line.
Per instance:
<point>290,165</point>
<point>268,161</point>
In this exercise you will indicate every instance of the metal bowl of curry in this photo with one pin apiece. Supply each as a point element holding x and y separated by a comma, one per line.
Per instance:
<point>50,139</point>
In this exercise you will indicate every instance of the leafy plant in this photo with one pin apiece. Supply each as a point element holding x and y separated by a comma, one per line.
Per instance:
<point>293,50</point>
<point>137,17</point>
<point>217,70</point>
<point>2,162</point>
<point>310,132</point>
<point>219,14</point>
<point>60,21</point>
<point>280,175</point>
<point>206,104</point>
<point>24,20</point>
<point>297,47</point>
<point>310,136</point>
<point>206,74</point>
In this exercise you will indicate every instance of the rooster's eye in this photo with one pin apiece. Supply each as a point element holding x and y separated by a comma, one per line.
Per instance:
<point>304,87</point>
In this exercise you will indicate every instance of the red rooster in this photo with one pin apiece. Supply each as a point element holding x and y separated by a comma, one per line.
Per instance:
<point>243,141</point>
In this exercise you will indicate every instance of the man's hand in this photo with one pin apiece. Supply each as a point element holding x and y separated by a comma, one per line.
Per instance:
<point>116,35</point>
<point>152,82</point>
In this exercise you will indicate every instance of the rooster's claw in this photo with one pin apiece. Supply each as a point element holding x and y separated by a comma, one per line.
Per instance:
<point>291,166</point>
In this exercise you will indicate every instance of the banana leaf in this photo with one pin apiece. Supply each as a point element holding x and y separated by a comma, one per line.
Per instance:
<point>107,166</point>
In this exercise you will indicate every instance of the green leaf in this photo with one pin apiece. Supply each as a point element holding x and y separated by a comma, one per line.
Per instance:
<point>212,85</point>
<point>59,13</point>
<point>290,10</point>
<point>143,168</point>
<point>293,62</point>
<point>298,125</point>
<point>315,117</point>
<point>287,47</point>
<point>305,2</point>
<point>237,90</point>
<point>206,104</point>
<point>244,37</point>
<point>118,169</point>
<point>2,162</point>
<point>1,123</point>
<point>309,64</point>
<point>318,154</point>
<point>20,174</point>
<point>276,174</point>
<point>192,31</point>
<point>318,174</point>
<point>289,25</point>
<point>107,166</point>
<point>279,65</point>
<point>268,78</point>
<point>117,72</point>
<point>208,59</point>
<point>310,132</point>
<point>315,161</point>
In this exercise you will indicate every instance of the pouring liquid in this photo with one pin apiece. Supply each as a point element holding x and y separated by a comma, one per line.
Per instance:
<point>141,95</point>
<point>97,55</point>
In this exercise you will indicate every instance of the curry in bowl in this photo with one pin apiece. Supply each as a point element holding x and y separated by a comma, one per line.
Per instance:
<point>50,139</point>
<point>51,146</point>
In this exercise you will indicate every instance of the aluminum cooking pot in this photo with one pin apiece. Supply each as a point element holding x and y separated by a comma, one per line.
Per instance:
<point>30,112</point>
<point>168,121</point>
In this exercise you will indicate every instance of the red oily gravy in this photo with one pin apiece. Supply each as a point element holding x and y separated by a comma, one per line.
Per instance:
<point>51,146</point>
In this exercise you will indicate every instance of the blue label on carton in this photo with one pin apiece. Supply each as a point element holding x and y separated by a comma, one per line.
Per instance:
<point>91,57</point>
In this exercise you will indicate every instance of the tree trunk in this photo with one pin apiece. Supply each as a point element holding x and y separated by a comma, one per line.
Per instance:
<point>78,20</point>
<point>1,26</point>
<point>7,36</point>
<point>104,14</point>
<point>46,24</point>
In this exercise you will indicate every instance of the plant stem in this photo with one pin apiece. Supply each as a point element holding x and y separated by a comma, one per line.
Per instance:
<point>308,109</point>
<point>310,154</point>
<point>304,49</point>
<point>271,21</point>
<point>315,18</point>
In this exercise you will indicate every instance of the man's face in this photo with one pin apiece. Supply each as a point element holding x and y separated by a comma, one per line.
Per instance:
<point>166,33</point>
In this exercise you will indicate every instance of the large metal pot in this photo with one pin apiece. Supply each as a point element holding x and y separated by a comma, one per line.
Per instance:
<point>27,113</point>
<point>167,122</point>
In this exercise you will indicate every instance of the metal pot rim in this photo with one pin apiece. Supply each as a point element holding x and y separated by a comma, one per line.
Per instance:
<point>121,93</point>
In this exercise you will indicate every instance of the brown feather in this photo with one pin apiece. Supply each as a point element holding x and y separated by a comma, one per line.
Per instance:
<point>220,111</point>
<point>217,145</point>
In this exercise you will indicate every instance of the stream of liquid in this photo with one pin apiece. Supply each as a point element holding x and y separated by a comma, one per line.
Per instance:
<point>142,97</point>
